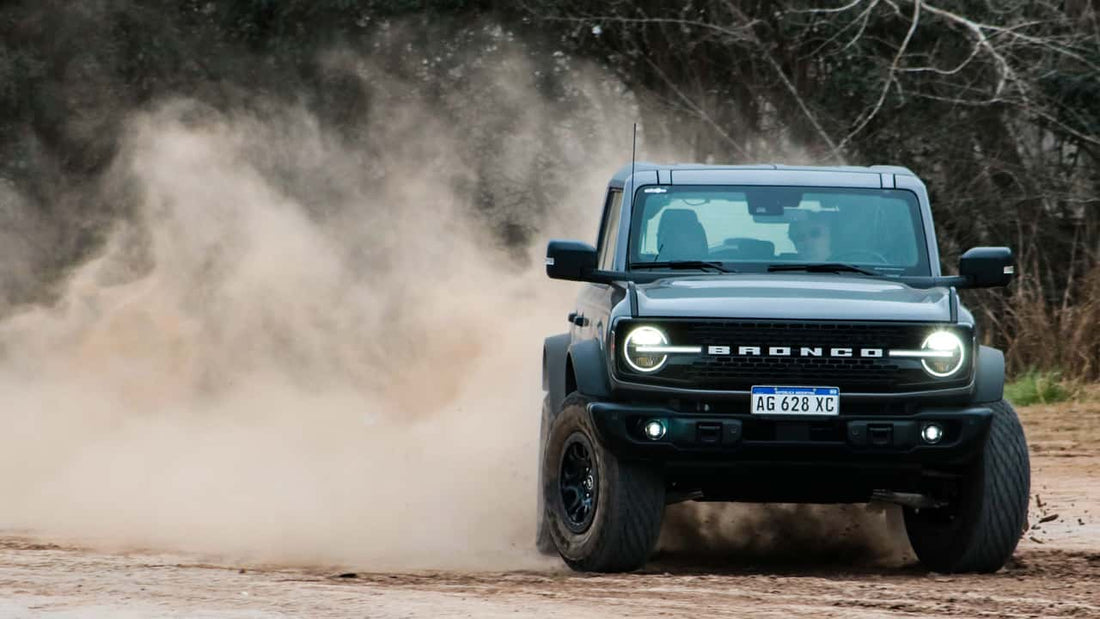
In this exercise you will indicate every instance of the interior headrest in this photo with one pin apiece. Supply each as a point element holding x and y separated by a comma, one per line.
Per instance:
<point>680,236</point>
<point>677,218</point>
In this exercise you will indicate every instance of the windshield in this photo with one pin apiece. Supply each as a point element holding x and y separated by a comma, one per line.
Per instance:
<point>754,228</point>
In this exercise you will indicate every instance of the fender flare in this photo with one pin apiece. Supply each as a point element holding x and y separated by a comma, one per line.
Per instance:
<point>989,379</point>
<point>555,353</point>
<point>590,369</point>
<point>581,366</point>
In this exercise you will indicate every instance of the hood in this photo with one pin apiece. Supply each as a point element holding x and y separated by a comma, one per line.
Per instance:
<point>824,296</point>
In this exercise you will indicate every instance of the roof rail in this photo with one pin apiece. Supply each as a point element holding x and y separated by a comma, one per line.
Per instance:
<point>896,169</point>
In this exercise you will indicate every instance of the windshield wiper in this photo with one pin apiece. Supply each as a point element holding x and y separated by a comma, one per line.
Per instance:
<point>683,264</point>
<point>821,267</point>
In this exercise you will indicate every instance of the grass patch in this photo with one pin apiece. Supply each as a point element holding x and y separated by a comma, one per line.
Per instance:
<point>1035,387</point>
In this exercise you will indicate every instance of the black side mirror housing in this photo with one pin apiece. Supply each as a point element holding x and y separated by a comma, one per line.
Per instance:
<point>987,267</point>
<point>571,260</point>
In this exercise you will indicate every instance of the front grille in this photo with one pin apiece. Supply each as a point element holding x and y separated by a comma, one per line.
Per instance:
<point>766,371</point>
<point>740,372</point>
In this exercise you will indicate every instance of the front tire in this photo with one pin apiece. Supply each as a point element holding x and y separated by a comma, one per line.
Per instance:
<point>603,514</point>
<point>979,530</point>
<point>543,542</point>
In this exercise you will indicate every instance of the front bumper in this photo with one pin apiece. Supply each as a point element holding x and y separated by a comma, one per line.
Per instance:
<point>716,438</point>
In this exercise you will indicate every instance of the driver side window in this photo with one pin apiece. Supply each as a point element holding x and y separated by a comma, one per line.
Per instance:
<point>610,236</point>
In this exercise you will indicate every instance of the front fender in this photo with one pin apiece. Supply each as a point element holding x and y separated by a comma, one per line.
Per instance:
<point>555,352</point>
<point>590,369</point>
<point>989,382</point>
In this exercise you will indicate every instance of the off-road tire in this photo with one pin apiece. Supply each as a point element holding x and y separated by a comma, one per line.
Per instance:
<point>543,542</point>
<point>980,530</point>
<point>629,503</point>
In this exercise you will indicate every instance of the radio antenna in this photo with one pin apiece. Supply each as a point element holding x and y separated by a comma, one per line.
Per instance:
<point>633,153</point>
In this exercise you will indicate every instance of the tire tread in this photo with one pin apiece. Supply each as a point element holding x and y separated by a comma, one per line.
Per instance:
<point>630,506</point>
<point>989,532</point>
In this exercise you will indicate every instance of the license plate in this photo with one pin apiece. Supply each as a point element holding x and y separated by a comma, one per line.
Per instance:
<point>795,401</point>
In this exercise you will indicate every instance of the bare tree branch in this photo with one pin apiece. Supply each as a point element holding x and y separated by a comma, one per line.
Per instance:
<point>839,9</point>
<point>862,19</point>
<point>834,153</point>
<point>696,108</point>
<point>1007,73</point>
<point>888,81</point>
<point>742,32</point>
<point>959,67</point>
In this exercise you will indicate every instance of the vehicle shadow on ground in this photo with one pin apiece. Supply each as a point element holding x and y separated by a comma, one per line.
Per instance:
<point>1032,562</point>
<point>819,564</point>
<point>723,538</point>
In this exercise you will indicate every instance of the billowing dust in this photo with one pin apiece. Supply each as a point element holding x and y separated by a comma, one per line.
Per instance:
<point>734,535</point>
<point>297,349</point>
<point>305,346</point>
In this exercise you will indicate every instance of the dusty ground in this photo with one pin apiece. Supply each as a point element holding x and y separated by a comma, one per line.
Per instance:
<point>1056,571</point>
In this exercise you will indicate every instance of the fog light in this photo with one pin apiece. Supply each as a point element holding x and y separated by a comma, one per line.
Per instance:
<point>932,433</point>
<point>654,429</point>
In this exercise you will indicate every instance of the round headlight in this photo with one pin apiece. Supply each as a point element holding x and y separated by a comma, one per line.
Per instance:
<point>634,349</point>
<point>946,354</point>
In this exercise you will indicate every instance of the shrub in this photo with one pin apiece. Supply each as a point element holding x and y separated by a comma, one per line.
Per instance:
<point>1038,387</point>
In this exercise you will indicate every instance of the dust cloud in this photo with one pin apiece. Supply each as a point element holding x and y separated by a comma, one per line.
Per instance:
<point>740,535</point>
<point>318,342</point>
<point>303,345</point>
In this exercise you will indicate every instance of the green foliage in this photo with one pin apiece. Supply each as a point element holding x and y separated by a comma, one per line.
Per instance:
<point>1039,387</point>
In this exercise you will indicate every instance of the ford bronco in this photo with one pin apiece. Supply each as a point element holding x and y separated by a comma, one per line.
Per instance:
<point>775,334</point>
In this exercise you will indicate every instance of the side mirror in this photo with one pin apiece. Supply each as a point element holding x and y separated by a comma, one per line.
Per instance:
<point>570,260</point>
<point>986,267</point>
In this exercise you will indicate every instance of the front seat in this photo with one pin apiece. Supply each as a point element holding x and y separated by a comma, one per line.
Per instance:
<point>680,236</point>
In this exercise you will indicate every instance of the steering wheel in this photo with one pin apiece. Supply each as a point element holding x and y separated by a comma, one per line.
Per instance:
<point>730,252</point>
<point>855,253</point>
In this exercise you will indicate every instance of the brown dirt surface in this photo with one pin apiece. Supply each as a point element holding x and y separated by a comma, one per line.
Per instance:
<point>1055,573</point>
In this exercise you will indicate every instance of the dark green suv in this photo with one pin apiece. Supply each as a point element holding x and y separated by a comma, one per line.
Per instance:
<point>775,334</point>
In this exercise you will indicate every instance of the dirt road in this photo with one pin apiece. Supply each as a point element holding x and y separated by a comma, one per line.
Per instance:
<point>1056,571</point>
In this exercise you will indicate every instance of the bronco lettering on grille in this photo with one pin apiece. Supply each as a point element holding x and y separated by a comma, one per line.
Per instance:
<point>791,351</point>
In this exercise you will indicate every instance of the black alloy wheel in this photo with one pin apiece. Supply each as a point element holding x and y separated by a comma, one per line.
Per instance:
<point>578,483</point>
<point>602,514</point>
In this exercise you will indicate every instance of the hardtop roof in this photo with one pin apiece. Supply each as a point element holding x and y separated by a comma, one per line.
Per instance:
<point>640,166</point>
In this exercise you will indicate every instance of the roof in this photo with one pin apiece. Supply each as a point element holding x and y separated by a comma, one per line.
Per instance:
<point>665,170</point>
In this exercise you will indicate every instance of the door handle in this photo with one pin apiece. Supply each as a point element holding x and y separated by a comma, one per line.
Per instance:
<point>580,320</point>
